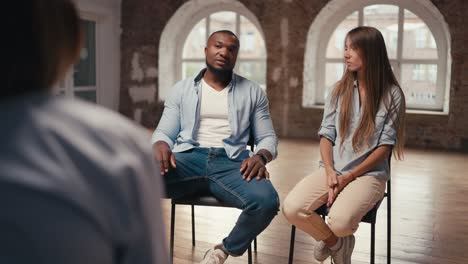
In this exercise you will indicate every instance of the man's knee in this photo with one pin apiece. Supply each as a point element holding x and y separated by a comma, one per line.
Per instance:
<point>343,225</point>
<point>266,203</point>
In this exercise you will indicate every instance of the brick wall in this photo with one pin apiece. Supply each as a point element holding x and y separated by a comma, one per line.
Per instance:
<point>143,22</point>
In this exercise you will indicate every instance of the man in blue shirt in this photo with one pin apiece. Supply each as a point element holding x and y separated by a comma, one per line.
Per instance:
<point>201,144</point>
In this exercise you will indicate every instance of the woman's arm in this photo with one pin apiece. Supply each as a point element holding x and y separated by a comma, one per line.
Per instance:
<point>326,152</point>
<point>376,157</point>
<point>380,154</point>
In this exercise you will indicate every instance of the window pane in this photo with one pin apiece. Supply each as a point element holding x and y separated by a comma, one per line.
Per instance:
<point>385,19</point>
<point>254,71</point>
<point>337,40</point>
<point>223,21</point>
<point>418,41</point>
<point>333,73</point>
<point>251,41</point>
<point>85,70</point>
<point>191,69</point>
<point>87,95</point>
<point>418,81</point>
<point>196,41</point>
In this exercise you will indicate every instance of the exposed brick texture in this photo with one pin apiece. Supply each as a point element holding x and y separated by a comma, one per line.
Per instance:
<point>143,22</point>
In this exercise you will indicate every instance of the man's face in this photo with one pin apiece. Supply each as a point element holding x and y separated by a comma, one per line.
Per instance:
<point>221,52</point>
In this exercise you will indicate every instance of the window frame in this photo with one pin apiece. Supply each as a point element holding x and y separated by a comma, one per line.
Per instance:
<point>107,16</point>
<point>179,27</point>
<point>330,18</point>
<point>238,31</point>
<point>69,88</point>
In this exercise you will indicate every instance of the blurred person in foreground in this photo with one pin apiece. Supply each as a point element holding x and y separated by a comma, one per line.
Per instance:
<point>77,182</point>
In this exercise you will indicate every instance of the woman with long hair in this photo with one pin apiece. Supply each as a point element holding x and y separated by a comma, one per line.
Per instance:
<point>363,123</point>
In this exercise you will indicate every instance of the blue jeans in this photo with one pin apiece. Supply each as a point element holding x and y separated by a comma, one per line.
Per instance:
<point>210,171</point>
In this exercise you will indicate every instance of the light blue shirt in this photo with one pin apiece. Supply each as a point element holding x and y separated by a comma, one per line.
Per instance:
<point>344,157</point>
<point>86,166</point>
<point>248,112</point>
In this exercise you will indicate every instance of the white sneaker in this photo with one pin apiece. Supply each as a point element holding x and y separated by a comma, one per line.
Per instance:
<point>343,254</point>
<point>321,251</point>
<point>214,256</point>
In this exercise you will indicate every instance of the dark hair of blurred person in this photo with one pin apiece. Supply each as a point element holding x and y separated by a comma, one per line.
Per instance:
<point>44,40</point>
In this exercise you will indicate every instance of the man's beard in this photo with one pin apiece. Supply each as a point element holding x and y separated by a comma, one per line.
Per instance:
<point>218,72</point>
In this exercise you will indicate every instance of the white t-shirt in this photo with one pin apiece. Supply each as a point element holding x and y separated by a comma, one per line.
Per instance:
<point>78,184</point>
<point>214,123</point>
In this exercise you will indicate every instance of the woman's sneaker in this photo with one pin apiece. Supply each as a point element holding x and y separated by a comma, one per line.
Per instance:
<point>321,251</point>
<point>343,254</point>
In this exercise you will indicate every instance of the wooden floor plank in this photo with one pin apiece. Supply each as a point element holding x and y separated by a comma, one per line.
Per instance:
<point>429,213</point>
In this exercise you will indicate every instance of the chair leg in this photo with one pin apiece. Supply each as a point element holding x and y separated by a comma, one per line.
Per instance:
<point>250,254</point>
<point>389,226</point>
<point>193,225</point>
<point>171,254</point>
<point>372,249</point>
<point>291,245</point>
<point>255,244</point>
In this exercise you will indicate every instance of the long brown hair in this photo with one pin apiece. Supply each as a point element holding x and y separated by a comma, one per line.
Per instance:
<point>379,82</point>
<point>44,39</point>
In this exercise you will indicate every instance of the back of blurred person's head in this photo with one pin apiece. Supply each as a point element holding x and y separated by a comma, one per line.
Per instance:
<point>43,41</point>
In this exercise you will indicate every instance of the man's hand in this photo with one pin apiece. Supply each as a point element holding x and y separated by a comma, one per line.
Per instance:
<point>254,167</point>
<point>333,192</point>
<point>164,155</point>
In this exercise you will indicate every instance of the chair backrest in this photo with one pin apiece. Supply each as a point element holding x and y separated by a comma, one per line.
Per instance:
<point>251,142</point>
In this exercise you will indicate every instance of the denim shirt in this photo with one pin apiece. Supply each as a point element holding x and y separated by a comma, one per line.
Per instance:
<point>248,112</point>
<point>344,157</point>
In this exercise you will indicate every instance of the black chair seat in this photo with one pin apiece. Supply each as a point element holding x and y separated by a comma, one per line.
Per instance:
<point>204,200</point>
<point>199,200</point>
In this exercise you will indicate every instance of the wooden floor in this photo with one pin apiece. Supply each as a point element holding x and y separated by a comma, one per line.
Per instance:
<point>429,213</point>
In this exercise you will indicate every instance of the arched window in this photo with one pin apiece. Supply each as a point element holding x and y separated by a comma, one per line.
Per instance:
<point>251,61</point>
<point>192,25</point>
<point>417,44</point>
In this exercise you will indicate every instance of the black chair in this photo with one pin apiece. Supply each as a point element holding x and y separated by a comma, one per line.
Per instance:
<point>370,218</point>
<point>199,201</point>
<point>205,200</point>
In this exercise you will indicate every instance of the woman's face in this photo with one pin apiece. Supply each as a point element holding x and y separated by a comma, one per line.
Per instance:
<point>352,58</point>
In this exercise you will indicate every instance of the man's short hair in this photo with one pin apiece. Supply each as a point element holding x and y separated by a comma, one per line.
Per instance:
<point>225,31</point>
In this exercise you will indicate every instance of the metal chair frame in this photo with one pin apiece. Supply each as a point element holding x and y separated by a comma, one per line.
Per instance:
<point>199,201</point>
<point>370,218</point>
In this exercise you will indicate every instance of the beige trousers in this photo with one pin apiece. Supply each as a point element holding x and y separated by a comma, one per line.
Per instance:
<point>354,201</point>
